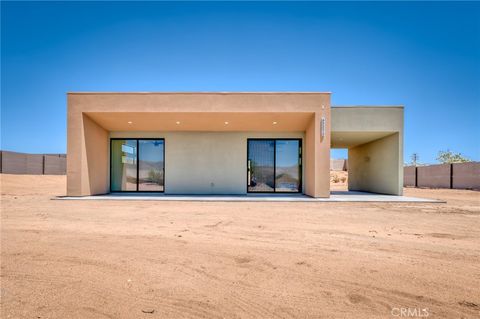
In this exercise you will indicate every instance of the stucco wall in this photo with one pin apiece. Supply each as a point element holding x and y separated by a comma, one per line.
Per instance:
<point>374,167</point>
<point>87,165</point>
<point>317,156</point>
<point>96,157</point>
<point>206,162</point>
<point>198,102</point>
<point>374,138</point>
<point>88,157</point>
<point>367,119</point>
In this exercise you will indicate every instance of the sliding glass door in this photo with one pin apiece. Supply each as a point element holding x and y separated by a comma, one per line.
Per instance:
<point>287,166</point>
<point>150,165</point>
<point>123,165</point>
<point>261,165</point>
<point>274,165</point>
<point>137,165</point>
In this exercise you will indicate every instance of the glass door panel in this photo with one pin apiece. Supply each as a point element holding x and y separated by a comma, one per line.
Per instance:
<point>151,165</point>
<point>287,166</point>
<point>274,165</point>
<point>123,165</point>
<point>260,166</point>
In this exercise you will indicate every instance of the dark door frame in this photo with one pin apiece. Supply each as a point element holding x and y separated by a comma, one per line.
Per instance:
<point>300,164</point>
<point>138,162</point>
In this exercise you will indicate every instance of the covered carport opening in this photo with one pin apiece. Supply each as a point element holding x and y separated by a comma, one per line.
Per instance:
<point>373,137</point>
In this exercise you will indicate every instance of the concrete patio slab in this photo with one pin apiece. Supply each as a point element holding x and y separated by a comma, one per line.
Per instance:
<point>336,196</point>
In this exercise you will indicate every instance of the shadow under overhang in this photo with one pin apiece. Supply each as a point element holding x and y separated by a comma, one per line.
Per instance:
<point>353,139</point>
<point>202,121</point>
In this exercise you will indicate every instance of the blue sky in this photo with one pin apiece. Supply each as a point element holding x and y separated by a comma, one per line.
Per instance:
<point>423,55</point>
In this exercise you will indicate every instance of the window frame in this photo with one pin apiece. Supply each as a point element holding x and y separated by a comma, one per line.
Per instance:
<point>300,165</point>
<point>138,163</point>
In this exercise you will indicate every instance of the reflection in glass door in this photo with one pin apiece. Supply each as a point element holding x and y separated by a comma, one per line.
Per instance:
<point>261,161</point>
<point>150,165</point>
<point>274,165</point>
<point>287,166</point>
<point>123,165</point>
<point>137,165</point>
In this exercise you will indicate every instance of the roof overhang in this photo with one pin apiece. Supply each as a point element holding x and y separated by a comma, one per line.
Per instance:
<point>202,121</point>
<point>352,139</point>
<point>215,111</point>
<point>353,126</point>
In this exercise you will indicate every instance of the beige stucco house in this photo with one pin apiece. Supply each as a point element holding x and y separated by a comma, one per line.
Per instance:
<point>228,143</point>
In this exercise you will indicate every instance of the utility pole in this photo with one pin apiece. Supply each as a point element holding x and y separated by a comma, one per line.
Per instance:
<point>415,159</point>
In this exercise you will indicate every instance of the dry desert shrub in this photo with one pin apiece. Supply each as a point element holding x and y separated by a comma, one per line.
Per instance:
<point>335,178</point>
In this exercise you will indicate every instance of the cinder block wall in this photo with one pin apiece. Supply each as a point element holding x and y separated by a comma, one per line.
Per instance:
<point>338,165</point>
<point>466,175</point>
<point>409,176</point>
<point>21,163</point>
<point>32,164</point>
<point>457,176</point>
<point>434,176</point>
<point>55,165</point>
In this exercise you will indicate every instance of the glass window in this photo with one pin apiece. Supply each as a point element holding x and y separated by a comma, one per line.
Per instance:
<point>124,165</point>
<point>150,165</point>
<point>287,168</point>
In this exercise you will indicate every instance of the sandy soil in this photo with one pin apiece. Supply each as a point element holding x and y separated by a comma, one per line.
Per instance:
<point>338,180</point>
<point>110,259</point>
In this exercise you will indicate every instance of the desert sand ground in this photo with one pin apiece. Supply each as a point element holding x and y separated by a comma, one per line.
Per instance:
<point>133,259</point>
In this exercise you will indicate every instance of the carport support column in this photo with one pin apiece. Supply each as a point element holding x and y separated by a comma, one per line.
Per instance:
<point>88,155</point>
<point>317,155</point>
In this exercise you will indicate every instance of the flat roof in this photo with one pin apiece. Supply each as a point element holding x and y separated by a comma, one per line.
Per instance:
<point>286,92</point>
<point>368,106</point>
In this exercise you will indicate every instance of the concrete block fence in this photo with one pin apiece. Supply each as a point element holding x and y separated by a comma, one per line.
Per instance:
<point>338,164</point>
<point>456,176</point>
<point>32,164</point>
